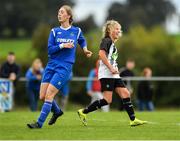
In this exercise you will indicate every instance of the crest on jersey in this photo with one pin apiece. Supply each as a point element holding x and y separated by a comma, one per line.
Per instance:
<point>71,34</point>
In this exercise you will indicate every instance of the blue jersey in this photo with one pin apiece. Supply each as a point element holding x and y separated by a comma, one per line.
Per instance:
<point>61,35</point>
<point>59,67</point>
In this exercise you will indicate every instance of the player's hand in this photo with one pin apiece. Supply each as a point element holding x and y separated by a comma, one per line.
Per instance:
<point>88,53</point>
<point>114,71</point>
<point>68,45</point>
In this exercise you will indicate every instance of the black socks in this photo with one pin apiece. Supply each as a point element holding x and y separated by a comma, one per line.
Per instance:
<point>95,105</point>
<point>102,102</point>
<point>128,107</point>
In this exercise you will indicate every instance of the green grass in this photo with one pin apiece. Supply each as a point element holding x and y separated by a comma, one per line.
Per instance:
<point>22,49</point>
<point>111,126</point>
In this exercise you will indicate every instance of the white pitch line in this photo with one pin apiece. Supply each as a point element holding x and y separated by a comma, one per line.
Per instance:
<point>107,120</point>
<point>152,122</point>
<point>97,119</point>
<point>148,122</point>
<point>103,120</point>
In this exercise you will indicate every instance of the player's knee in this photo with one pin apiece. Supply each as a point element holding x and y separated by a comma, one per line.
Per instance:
<point>50,94</point>
<point>109,101</point>
<point>125,94</point>
<point>49,97</point>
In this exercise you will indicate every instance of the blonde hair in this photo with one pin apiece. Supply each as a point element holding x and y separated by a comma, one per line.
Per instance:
<point>69,12</point>
<point>108,26</point>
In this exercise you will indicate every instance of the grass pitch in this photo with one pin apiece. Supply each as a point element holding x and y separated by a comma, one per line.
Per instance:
<point>114,125</point>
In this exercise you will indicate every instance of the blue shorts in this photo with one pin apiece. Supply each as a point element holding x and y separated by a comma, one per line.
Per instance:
<point>57,74</point>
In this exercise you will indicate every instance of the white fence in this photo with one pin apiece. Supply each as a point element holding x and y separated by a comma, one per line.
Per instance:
<point>158,78</point>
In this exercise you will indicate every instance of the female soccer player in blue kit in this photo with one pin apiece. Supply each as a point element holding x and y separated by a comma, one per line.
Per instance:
<point>62,44</point>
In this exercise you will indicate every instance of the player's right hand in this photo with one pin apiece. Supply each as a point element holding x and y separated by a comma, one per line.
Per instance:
<point>114,71</point>
<point>68,45</point>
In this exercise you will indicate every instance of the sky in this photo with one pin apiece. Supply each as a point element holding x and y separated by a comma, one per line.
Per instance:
<point>99,9</point>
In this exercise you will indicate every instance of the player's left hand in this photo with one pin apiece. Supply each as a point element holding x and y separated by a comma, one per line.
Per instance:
<point>88,53</point>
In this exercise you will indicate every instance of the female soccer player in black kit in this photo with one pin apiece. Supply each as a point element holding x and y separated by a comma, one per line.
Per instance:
<point>108,75</point>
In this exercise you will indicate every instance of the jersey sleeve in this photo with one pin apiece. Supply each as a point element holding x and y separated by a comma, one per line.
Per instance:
<point>52,47</point>
<point>81,39</point>
<point>105,44</point>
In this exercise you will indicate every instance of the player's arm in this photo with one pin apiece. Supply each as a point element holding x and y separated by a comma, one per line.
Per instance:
<point>104,48</point>
<point>52,47</point>
<point>102,56</point>
<point>83,44</point>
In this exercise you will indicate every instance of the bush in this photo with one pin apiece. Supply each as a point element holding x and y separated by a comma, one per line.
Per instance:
<point>40,40</point>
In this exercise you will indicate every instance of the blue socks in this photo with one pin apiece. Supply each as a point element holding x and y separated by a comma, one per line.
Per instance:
<point>46,108</point>
<point>55,108</point>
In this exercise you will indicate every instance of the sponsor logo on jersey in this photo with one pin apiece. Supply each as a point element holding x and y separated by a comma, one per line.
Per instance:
<point>63,40</point>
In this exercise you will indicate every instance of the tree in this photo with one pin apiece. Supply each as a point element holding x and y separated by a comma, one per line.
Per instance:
<point>39,41</point>
<point>156,49</point>
<point>146,12</point>
<point>26,15</point>
<point>87,24</point>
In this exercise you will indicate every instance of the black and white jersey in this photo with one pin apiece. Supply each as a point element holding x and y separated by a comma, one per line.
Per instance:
<point>111,52</point>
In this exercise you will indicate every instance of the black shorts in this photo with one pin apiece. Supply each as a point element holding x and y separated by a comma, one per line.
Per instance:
<point>109,84</point>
